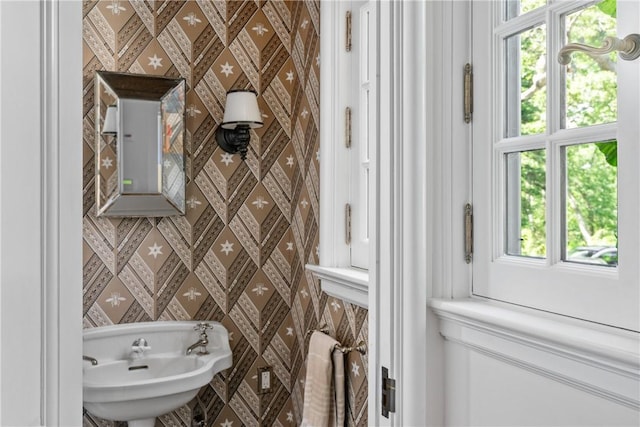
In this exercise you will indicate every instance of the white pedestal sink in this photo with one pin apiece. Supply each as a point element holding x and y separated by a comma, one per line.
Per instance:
<point>134,387</point>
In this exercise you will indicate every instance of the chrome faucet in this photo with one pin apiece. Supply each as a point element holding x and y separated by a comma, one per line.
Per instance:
<point>93,360</point>
<point>203,341</point>
<point>138,347</point>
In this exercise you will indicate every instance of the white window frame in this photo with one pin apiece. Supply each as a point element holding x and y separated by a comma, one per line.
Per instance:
<point>602,295</point>
<point>343,267</point>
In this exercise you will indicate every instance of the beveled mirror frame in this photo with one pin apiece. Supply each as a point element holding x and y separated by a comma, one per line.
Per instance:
<point>140,164</point>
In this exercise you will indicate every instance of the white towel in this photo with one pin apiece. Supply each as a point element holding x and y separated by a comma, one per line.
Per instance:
<point>324,387</point>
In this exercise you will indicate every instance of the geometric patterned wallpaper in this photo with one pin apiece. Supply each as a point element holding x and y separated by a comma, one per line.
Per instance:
<point>238,254</point>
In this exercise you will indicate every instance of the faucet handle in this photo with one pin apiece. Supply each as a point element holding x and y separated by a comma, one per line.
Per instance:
<point>202,327</point>
<point>140,345</point>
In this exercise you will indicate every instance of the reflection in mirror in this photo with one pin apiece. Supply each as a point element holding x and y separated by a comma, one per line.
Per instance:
<point>139,132</point>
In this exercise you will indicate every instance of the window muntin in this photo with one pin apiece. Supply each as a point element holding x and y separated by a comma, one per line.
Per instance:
<point>514,8</point>
<point>586,99</point>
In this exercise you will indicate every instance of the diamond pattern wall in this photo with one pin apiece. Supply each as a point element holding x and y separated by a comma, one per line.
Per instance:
<point>238,254</point>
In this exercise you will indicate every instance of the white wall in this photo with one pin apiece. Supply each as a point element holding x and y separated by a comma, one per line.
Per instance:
<point>484,391</point>
<point>508,366</point>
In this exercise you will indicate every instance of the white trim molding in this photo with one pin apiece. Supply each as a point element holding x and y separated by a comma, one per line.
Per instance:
<point>348,284</point>
<point>61,105</point>
<point>596,359</point>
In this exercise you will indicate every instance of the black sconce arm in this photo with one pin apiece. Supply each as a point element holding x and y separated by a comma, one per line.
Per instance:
<point>234,140</point>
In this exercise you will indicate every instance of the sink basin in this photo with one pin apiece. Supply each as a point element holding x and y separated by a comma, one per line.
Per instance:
<point>138,387</point>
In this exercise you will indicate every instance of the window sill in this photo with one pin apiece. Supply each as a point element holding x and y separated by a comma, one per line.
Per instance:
<point>601,360</point>
<point>348,284</point>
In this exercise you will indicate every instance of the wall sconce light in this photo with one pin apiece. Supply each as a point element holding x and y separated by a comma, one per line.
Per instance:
<point>110,126</point>
<point>241,113</point>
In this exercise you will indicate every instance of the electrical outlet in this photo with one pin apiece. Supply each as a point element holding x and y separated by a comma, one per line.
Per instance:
<point>264,379</point>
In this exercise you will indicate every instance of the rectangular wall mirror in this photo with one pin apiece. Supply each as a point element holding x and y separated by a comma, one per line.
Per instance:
<point>139,133</point>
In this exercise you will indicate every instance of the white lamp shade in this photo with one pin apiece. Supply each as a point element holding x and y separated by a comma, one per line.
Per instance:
<point>110,126</point>
<point>241,109</point>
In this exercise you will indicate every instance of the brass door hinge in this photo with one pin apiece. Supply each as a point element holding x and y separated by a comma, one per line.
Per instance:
<point>348,32</point>
<point>347,127</point>
<point>347,224</point>
<point>468,93</point>
<point>468,233</point>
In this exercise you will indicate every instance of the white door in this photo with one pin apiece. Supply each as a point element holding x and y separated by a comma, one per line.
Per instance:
<point>556,153</point>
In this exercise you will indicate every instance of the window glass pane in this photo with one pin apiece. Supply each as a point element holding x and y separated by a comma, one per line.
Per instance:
<point>525,83</point>
<point>515,8</point>
<point>525,197</point>
<point>590,80</point>
<point>591,203</point>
